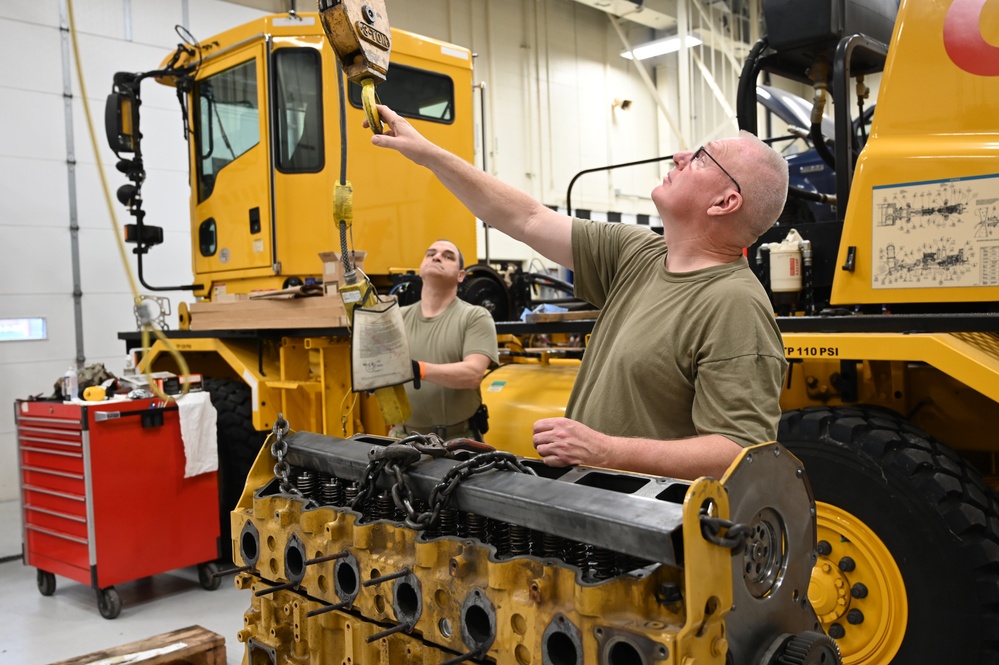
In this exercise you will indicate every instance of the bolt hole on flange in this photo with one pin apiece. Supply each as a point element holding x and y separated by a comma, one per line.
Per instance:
<point>478,622</point>
<point>294,560</point>
<point>622,652</point>
<point>249,544</point>
<point>407,602</point>
<point>560,650</point>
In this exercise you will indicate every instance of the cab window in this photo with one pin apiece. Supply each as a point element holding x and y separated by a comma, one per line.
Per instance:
<point>298,117</point>
<point>227,121</point>
<point>413,93</point>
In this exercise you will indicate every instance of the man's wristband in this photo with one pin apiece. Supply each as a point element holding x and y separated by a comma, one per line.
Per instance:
<point>423,369</point>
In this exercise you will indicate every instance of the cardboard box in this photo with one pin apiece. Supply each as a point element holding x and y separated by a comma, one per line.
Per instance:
<point>333,265</point>
<point>314,312</point>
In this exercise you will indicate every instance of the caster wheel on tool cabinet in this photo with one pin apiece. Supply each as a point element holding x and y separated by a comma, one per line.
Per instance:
<point>109,602</point>
<point>46,583</point>
<point>208,575</point>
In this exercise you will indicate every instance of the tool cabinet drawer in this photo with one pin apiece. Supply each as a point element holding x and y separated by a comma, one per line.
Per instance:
<point>64,482</point>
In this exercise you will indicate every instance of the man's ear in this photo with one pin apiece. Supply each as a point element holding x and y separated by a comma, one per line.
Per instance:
<point>461,275</point>
<point>727,204</point>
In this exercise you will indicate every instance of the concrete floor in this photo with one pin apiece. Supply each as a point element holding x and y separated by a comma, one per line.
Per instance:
<point>37,630</point>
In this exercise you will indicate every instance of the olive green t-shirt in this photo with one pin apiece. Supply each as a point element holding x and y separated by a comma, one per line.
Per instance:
<point>460,330</point>
<point>673,355</point>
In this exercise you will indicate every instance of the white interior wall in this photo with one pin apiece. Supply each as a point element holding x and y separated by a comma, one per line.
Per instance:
<point>35,275</point>
<point>552,71</point>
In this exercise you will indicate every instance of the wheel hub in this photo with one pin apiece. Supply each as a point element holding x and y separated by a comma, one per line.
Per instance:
<point>829,591</point>
<point>856,589</point>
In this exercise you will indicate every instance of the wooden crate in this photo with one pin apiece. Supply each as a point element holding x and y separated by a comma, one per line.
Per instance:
<point>193,645</point>
<point>315,312</point>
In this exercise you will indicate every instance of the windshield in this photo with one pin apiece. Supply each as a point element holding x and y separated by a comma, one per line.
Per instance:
<point>227,123</point>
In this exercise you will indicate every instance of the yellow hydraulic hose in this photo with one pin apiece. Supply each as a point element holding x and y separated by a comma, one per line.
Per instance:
<point>147,325</point>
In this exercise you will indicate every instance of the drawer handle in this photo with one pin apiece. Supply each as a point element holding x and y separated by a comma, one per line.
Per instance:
<point>63,495</point>
<point>74,518</point>
<point>64,536</point>
<point>68,421</point>
<point>53,472</point>
<point>38,439</point>
<point>61,453</point>
<point>35,431</point>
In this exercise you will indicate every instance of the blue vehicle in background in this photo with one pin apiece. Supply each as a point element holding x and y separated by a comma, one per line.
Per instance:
<point>812,178</point>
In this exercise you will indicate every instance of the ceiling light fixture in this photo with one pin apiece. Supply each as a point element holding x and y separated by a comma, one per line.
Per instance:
<point>661,47</point>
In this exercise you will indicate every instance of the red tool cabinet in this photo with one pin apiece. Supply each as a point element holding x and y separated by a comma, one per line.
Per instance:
<point>104,499</point>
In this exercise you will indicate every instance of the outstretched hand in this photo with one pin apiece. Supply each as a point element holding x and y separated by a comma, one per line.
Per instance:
<point>400,135</point>
<point>565,442</point>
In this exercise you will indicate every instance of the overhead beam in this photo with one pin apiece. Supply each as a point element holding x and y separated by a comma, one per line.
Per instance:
<point>658,14</point>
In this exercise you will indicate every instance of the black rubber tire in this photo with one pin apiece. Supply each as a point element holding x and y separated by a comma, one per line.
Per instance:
<point>238,445</point>
<point>484,288</point>
<point>46,582</point>
<point>208,575</point>
<point>109,602</point>
<point>932,511</point>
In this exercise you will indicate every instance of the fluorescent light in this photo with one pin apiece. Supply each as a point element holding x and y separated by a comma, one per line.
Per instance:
<point>660,47</point>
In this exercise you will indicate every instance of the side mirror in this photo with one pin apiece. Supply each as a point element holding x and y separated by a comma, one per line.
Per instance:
<point>121,122</point>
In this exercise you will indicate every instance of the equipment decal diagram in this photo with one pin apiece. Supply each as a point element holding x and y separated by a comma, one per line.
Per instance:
<point>942,233</point>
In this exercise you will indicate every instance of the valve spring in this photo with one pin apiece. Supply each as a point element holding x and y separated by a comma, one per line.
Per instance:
<point>332,492</point>
<point>499,536</point>
<point>577,554</point>
<point>520,539</point>
<point>603,563</point>
<point>449,522</point>
<point>307,483</point>
<point>384,508</point>
<point>476,526</point>
<point>551,546</point>
<point>350,492</point>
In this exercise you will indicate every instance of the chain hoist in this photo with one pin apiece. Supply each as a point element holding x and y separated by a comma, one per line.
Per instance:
<point>735,537</point>
<point>282,470</point>
<point>395,458</point>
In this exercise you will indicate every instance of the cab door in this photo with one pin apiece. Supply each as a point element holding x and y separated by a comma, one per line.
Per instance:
<point>231,188</point>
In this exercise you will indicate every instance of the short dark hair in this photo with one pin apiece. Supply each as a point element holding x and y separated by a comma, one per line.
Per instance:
<point>461,257</point>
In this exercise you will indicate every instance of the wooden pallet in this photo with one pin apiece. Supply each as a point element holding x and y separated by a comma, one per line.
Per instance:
<point>193,645</point>
<point>315,312</point>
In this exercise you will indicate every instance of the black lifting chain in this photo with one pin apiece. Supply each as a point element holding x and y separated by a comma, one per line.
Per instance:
<point>734,538</point>
<point>282,470</point>
<point>395,458</point>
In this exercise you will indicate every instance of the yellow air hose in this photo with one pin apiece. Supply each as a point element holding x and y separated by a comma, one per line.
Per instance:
<point>147,325</point>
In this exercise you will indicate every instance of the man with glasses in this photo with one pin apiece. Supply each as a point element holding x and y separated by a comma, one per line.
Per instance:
<point>685,363</point>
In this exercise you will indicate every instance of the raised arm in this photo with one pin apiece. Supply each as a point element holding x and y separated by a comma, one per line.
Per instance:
<point>498,204</point>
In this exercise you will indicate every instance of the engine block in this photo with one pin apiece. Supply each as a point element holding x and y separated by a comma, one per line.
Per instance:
<point>369,550</point>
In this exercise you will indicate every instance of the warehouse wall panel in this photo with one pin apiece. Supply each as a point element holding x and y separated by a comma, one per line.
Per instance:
<point>36,277</point>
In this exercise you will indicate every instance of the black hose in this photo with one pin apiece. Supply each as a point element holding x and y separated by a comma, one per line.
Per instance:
<point>820,145</point>
<point>745,102</point>
<point>808,195</point>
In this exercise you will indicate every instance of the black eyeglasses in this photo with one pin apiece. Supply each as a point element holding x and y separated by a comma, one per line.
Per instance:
<point>701,151</point>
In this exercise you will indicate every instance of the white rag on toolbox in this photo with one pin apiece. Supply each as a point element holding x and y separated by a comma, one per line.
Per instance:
<point>197,430</point>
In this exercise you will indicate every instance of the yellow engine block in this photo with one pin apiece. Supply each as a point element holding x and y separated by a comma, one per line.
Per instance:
<point>368,550</point>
